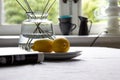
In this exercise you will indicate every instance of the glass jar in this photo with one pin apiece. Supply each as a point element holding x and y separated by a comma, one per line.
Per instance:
<point>35,28</point>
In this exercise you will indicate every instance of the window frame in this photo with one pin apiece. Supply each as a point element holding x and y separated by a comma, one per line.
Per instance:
<point>1,11</point>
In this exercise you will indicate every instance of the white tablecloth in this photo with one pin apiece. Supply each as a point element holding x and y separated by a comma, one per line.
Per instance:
<point>95,63</point>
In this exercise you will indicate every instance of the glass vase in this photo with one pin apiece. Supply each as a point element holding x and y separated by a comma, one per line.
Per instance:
<point>34,28</point>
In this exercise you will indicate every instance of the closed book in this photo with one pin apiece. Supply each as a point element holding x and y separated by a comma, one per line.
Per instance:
<point>16,55</point>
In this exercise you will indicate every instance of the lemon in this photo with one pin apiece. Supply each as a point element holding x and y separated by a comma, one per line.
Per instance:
<point>61,45</point>
<point>43,45</point>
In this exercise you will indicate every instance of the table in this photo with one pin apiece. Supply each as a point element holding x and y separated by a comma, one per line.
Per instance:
<point>95,63</point>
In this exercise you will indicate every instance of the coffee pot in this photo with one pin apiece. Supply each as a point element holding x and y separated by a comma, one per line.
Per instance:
<point>83,28</point>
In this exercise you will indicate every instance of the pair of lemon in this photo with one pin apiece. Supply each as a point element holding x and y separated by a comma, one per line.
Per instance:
<point>48,45</point>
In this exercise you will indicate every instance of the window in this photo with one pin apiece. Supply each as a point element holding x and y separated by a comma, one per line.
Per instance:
<point>69,8</point>
<point>64,9</point>
<point>16,15</point>
<point>11,18</point>
<point>94,10</point>
<point>104,14</point>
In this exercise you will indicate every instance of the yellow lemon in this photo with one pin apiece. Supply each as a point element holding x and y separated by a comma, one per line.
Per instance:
<point>43,45</point>
<point>61,45</point>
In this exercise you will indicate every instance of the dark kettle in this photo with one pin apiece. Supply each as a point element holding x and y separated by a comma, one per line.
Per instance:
<point>83,29</point>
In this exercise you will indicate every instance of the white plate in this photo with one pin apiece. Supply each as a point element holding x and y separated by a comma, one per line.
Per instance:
<point>61,56</point>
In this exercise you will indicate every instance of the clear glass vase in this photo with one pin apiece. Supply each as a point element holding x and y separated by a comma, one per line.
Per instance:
<point>34,28</point>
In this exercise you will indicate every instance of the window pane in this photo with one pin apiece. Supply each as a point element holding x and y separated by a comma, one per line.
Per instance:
<point>15,14</point>
<point>89,8</point>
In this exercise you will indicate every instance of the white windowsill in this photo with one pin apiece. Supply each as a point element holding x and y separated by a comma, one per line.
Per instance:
<point>75,40</point>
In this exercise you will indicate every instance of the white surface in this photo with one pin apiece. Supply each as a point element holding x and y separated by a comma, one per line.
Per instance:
<point>95,63</point>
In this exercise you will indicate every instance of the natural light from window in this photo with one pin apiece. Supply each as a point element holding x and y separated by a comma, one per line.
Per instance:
<point>15,14</point>
<point>94,10</point>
